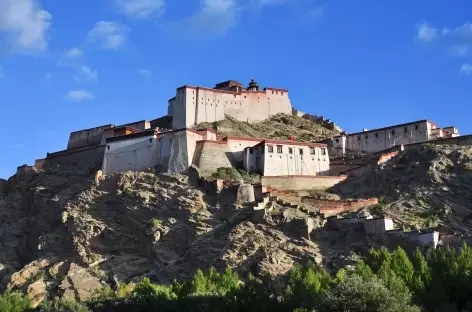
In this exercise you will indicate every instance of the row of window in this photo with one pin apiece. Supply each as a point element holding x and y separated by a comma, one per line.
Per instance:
<point>270,149</point>
<point>405,130</point>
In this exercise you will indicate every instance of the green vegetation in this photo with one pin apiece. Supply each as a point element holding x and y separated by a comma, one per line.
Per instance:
<point>155,223</point>
<point>232,174</point>
<point>384,282</point>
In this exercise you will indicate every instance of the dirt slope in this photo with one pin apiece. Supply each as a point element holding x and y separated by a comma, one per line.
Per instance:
<point>421,188</point>
<point>280,126</point>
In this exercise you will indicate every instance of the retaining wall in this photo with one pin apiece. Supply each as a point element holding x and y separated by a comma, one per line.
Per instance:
<point>300,183</point>
<point>333,207</point>
<point>211,155</point>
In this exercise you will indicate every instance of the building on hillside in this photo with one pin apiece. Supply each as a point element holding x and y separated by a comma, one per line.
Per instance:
<point>98,135</point>
<point>372,141</point>
<point>285,158</point>
<point>176,150</point>
<point>194,105</point>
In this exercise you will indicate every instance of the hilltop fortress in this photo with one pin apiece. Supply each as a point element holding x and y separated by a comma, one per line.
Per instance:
<point>194,105</point>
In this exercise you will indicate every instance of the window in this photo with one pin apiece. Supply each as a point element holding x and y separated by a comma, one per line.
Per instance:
<point>279,149</point>
<point>393,131</point>
<point>301,151</point>
<point>108,147</point>
<point>282,93</point>
<point>358,138</point>
<point>150,140</point>
<point>290,150</point>
<point>244,96</point>
<point>366,136</point>
<point>405,129</point>
<point>250,151</point>
<point>323,151</point>
<point>272,92</point>
<point>337,140</point>
<point>235,96</point>
<point>376,135</point>
<point>312,150</point>
<point>416,127</point>
<point>270,148</point>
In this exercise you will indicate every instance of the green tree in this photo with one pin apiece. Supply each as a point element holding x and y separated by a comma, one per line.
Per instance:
<point>14,302</point>
<point>61,305</point>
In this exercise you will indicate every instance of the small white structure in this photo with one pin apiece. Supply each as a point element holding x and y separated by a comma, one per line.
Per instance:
<point>372,141</point>
<point>287,158</point>
<point>130,152</point>
<point>379,225</point>
<point>194,105</point>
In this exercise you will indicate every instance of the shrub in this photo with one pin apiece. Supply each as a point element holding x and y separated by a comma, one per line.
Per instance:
<point>61,305</point>
<point>14,302</point>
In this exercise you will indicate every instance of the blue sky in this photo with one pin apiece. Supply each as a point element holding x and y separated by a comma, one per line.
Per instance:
<point>69,65</point>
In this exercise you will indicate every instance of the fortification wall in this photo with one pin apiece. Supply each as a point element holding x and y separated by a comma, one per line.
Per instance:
<point>300,183</point>
<point>87,158</point>
<point>140,125</point>
<point>3,184</point>
<point>87,137</point>
<point>211,155</point>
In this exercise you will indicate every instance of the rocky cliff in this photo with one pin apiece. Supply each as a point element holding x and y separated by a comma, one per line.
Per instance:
<point>63,235</point>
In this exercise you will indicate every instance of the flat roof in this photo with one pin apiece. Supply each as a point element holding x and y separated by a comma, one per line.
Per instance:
<point>394,126</point>
<point>231,92</point>
<point>104,126</point>
<point>132,136</point>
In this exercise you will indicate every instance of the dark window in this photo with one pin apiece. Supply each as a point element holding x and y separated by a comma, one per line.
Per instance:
<point>366,136</point>
<point>270,148</point>
<point>108,147</point>
<point>323,151</point>
<point>279,149</point>
<point>282,93</point>
<point>235,96</point>
<point>358,138</point>
<point>376,135</point>
<point>393,131</point>
<point>337,140</point>
<point>312,150</point>
<point>405,129</point>
<point>250,151</point>
<point>301,151</point>
<point>150,140</point>
<point>290,150</point>
<point>416,127</point>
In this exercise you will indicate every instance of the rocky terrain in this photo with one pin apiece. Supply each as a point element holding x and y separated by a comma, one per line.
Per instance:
<point>63,235</point>
<point>423,187</point>
<point>280,126</point>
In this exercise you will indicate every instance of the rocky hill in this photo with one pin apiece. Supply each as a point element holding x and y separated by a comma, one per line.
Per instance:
<point>280,126</point>
<point>423,187</point>
<point>62,235</point>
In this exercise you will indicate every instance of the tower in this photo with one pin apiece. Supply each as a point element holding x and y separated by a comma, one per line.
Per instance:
<point>253,85</point>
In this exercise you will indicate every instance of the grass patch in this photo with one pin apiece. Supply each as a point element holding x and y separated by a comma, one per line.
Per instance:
<point>227,174</point>
<point>155,223</point>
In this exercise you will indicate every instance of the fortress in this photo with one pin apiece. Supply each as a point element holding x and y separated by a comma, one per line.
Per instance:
<point>194,105</point>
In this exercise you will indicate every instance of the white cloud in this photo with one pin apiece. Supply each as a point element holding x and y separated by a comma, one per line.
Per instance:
<point>73,53</point>
<point>46,77</point>
<point>215,18</point>
<point>458,36</point>
<point>25,25</point>
<point>466,69</point>
<point>88,73</point>
<point>427,33</point>
<point>2,75</point>
<point>460,50</point>
<point>141,9</point>
<point>79,95</point>
<point>18,146</point>
<point>145,72</point>
<point>110,35</point>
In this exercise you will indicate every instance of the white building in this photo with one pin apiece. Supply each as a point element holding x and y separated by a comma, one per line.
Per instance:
<point>194,105</point>
<point>285,158</point>
<point>176,150</point>
<point>372,141</point>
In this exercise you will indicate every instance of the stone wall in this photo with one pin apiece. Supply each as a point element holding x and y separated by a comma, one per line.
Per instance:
<point>39,163</point>
<point>300,183</point>
<point>87,137</point>
<point>333,207</point>
<point>3,184</point>
<point>211,155</point>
